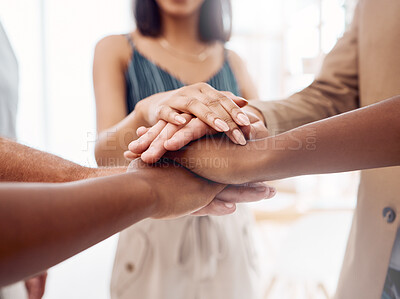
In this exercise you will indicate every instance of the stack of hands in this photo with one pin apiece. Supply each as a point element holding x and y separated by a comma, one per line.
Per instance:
<point>183,116</point>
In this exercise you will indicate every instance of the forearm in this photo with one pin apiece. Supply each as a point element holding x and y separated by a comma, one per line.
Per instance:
<point>19,163</point>
<point>361,139</point>
<point>51,222</point>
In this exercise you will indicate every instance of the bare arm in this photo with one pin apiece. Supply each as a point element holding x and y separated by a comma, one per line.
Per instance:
<point>19,163</point>
<point>114,127</point>
<point>365,138</point>
<point>43,224</point>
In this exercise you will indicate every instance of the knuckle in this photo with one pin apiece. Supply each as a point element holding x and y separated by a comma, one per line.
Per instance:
<point>209,115</point>
<point>233,109</point>
<point>203,87</point>
<point>229,94</point>
<point>228,119</point>
<point>190,102</point>
<point>213,101</point>
<point>161,110</point>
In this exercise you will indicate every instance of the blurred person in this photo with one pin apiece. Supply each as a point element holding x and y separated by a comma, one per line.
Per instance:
<point>140,79</point>
<point>34,287</point>
<point>362,69</point>
<point>42,224</point>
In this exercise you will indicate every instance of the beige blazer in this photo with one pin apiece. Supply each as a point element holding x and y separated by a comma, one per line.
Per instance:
<point>362,69</point>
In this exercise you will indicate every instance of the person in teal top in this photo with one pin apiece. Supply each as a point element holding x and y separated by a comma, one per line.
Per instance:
<point>143,77</point>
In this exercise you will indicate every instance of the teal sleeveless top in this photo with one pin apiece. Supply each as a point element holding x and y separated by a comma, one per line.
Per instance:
<point>144,78</point>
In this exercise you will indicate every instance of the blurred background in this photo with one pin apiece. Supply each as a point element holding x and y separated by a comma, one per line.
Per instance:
<point>303,230</point>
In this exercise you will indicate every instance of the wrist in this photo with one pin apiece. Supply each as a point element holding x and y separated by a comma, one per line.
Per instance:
<point>141,114</point>
<point>259,160</point>
<point>142,189</point>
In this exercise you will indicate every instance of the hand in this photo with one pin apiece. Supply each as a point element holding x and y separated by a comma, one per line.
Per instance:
<point>180,192</point>
<point>233,194</point>
<point>217,159</point>
<point>153,143</point>
<point>219,110</point>
<point>35,286</point>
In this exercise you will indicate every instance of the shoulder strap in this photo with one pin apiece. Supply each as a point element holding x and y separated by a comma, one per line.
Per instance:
<point>130,40</point>
<point>226,54</point>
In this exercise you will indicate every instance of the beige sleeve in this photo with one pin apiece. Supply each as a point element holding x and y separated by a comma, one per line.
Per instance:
<point>334,91</point>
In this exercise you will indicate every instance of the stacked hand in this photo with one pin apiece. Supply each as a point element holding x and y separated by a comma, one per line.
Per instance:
<point>177,191</point>
<point>219,110</point>
<point>184,116</point>
<point>154,142</point>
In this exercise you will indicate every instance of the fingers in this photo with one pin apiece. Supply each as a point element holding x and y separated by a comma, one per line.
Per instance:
<point>246,192</point>
<point>196,106</point>
<point>241,102</point>
<point>141,131</point>
<point>225,202</point>
<point>129,156</point>
<point>216,102</point>
<point>195,129</point>
<point>171,115</point>
<point>156,149</point>
<point>214,108</point>
<point>36,286</point>
<point>228,112</point>
<point>139,145</point>
<point>237,115</point>
<point>217,208</point>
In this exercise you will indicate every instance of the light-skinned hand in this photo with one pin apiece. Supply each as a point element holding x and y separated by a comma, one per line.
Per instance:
<point>154,142</point>
<point>218,109</point>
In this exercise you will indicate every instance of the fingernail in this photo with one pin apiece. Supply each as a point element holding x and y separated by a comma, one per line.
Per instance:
<point>221,125</point>
<point>180,119</point>
<point>261,189</point>
<point>239,137</point>
<point>229,205</point>
<point>243,119</point>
